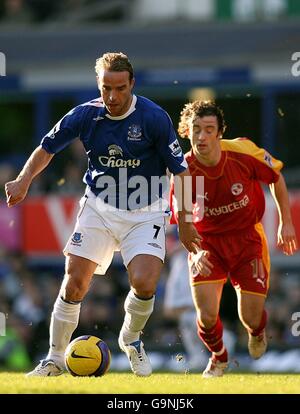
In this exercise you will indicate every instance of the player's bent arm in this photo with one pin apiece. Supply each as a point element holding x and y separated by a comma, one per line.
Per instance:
<point>183,193</point>
<point>280,194</point>
<point>286,237</point>
<point>16,190</point>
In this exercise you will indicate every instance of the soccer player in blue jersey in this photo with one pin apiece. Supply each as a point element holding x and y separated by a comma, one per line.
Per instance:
<point>130,143</point>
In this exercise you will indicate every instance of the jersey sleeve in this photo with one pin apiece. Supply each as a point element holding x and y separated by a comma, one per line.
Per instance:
<point>64,132</point>
<point>263,166</point>
<point>167,144</point>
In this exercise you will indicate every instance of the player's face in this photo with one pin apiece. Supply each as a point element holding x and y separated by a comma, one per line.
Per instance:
<point>204,135</point>
<point>115,88</point>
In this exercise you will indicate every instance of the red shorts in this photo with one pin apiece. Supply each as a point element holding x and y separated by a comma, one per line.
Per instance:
<point>242,256</point>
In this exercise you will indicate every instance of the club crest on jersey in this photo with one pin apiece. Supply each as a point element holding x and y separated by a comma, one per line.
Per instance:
<point>268,159</point>
<point>134,133</point>
<point>175,148</point>
<point>115,150</point>
<point>237,188</point>
<point>77,238</point>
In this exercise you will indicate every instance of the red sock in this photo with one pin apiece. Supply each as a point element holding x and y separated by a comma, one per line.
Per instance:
<point>223,357</point>
<point>213,339</point>
<point>262,325</point>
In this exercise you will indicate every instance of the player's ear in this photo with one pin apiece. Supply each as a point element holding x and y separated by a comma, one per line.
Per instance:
<point>187,133</point>
<point>220,133</point>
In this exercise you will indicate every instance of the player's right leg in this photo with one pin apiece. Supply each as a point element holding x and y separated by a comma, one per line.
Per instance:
<point>65,315</point>
<point>207,298</point>
<point>89,250</point>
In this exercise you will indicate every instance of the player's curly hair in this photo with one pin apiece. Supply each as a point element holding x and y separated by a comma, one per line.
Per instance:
<point>115,62</point>
<point>200,109</point>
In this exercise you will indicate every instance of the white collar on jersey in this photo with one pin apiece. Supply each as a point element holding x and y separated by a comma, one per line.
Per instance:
<point>130,110</point>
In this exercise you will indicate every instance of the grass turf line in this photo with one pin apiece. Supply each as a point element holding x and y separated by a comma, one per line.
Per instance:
<point>158,383</point>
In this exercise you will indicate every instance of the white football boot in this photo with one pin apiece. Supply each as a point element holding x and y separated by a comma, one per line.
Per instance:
<point>46,368</point>
<point>214,368</point>
<point>257,345</point>
<point>138,359</point>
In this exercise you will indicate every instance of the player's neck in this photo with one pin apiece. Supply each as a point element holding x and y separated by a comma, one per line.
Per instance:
<point>128,106</point>
<point>210,159</point>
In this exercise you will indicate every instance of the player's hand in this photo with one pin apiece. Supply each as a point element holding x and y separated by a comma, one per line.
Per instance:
<point>15,192</point>
<point>286,238</point>
<point>189,237</point>
<point>202,263</point>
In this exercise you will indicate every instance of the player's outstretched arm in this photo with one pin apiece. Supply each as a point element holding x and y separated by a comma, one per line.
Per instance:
<point>188,234</point>
<point>286,235</point>
<point>16,190</point>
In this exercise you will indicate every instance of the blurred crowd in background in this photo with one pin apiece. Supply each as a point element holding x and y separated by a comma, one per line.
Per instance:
<point>86,11</point>
<point>47,11</point>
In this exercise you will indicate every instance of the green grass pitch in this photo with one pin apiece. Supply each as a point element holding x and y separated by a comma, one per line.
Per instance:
<point>158,383</point>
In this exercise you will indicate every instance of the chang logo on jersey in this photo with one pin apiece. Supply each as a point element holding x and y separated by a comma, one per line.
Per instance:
<point>134,133</point>
<point>175,148</point>
<point>236,188</point>
<point>115,159</point>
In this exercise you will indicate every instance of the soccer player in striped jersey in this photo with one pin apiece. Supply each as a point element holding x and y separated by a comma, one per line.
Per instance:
<point>233,243</point>
<point>130,143</point>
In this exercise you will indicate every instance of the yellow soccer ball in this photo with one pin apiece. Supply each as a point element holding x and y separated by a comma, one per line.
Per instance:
<point>87,355</point>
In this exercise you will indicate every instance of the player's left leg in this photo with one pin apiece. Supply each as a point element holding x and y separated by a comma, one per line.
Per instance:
<point>250,277</point>
<point>144,272</point>
<point>254,317</point>
<point>142,245</point>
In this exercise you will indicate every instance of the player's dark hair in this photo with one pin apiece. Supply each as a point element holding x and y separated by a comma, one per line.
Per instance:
<point>114,62</point>
<point>200,109</point>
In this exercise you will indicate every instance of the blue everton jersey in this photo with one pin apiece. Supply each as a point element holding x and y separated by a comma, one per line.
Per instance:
<point>125,153</point>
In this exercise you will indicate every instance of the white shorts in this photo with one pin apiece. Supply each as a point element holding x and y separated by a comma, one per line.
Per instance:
<point>99,233</point>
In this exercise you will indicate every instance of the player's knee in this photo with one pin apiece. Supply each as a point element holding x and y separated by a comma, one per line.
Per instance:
<point>74,288</point>
<point>143,287</point>
<point>143,290</point>
<point>207,320</point>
